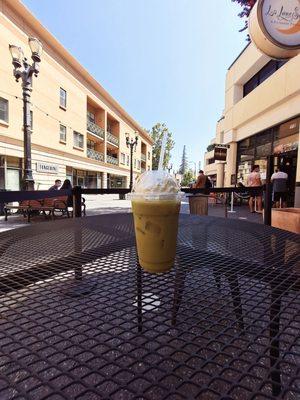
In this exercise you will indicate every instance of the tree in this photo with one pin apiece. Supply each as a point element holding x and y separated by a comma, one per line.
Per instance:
<point>188,177</point>
<point>247,6</point>
<point>184,162</point>
<point>157,132</point>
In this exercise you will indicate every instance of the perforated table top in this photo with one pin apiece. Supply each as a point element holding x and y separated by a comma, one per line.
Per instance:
<point>79,319</point>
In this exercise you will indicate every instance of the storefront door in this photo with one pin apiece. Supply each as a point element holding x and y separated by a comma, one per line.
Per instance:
<point>288,164</point>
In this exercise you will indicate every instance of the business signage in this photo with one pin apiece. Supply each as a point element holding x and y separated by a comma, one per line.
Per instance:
<point>274,27</point>
<point>46,168</point>
<point>220,153</point>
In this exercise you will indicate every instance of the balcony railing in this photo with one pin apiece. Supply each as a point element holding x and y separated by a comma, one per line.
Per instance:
<point>112,160</point>
<point>95,155</point>
<point>95,129</point>
<point>143,157</point>
<point>112,139</point>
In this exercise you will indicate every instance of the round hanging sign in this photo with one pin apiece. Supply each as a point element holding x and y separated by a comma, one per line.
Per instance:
<point>274,27</point>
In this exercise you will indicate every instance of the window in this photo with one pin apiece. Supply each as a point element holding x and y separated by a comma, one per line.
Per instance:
<point>122,158</point>
<point>78,139</point>
<point>3,109</point>
<point>210,161</point>
<point>262,75</point>
<point>62,98</point>
<point>91,117</point>
<point>149,155</point>
<point>62,133</point>
<point>127,159</point>
<point>138,164</point>
<point>31,119</point>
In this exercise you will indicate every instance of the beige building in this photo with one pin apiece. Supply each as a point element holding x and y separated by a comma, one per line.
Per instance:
<point>78,129</point>
<point>261,117</point>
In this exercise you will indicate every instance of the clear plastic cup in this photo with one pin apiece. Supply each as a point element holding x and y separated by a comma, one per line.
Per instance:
<point>156,201</point>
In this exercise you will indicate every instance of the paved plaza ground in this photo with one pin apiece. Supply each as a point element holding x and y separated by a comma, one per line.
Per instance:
<point>104,204</point>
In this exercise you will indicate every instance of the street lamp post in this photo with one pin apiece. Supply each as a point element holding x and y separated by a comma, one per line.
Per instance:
<point>131,143</point>
<point>25,74</point>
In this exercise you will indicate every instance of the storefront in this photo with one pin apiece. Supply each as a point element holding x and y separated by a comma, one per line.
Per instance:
<point>281,141</point>
<point>83,178</point>
<point>10,173</point>
<point>116,181</point>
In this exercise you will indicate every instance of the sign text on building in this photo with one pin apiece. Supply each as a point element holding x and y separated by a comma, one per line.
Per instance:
<point>274,27</point>
<point>46,167</point>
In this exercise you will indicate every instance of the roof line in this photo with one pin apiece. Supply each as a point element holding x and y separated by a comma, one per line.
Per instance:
<point>248,44</point>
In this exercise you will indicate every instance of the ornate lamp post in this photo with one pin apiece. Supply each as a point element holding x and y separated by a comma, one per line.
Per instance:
<point>25,74</point>
<point>130,143</point>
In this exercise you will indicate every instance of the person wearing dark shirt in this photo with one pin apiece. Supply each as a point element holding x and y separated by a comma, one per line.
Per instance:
<point>56,185</point>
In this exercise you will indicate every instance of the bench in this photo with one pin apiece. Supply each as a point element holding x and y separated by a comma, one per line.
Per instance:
<point>51,205</point>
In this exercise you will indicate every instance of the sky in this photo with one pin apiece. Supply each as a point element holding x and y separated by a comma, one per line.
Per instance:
<point>162,60</point>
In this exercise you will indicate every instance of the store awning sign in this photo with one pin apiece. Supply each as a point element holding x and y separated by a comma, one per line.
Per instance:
<point>274,27</point>
<point>220,153</point>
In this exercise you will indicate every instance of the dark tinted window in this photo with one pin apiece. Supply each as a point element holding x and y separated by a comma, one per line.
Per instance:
<point>262,75</point>
<point>251,85</point>
<point>267,71</point>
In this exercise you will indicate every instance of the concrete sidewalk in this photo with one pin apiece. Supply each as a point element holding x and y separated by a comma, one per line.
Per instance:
<point>110,203</point>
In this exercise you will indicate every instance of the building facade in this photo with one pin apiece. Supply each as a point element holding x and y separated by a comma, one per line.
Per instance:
<point>78,130</point>
<point>261,118</point>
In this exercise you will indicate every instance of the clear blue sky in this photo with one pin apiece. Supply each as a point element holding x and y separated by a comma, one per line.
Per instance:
<point>163,60</point>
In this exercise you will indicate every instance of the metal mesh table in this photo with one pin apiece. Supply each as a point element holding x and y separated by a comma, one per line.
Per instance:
<point>79,319</point>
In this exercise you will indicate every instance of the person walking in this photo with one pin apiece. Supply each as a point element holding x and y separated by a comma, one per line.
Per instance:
<point>280,187</point>
<point>254,180</point>
<point>56,185</point>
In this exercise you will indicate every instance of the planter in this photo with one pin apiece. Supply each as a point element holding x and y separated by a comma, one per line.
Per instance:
<point>286,218</point>
<point>198,204</point>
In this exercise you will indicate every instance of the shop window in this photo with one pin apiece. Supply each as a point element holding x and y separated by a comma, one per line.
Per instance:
<point>62,98</point>
<point>3,109</point>
<point>62,133</point>
<point>78,139</point>
<point>287,129</point>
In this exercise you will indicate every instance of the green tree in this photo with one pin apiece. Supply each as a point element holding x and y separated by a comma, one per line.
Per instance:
<point>188,178</point>
<point>157,132</point>
<point>184,162</point>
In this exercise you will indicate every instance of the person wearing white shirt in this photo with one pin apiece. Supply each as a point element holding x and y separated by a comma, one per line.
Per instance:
<point>280,188</point>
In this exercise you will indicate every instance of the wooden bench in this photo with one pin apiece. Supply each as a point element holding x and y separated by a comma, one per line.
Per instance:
<point>51,205</point>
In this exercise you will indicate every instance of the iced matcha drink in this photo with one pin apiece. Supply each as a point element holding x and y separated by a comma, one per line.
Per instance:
<point>155,207</point>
